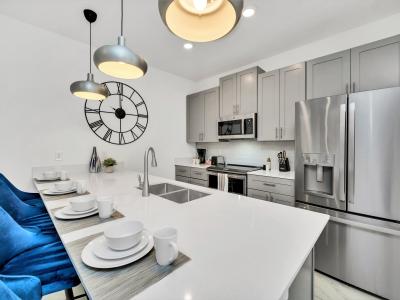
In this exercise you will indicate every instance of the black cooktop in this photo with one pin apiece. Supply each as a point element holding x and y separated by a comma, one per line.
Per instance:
<point>240,169</point>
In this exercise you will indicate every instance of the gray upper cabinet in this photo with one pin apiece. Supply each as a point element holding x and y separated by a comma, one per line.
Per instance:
<point>238,92</point>
<point>278,91</point>
<point>202,116</point>
<point>328,75</point>
<point>211,115</point>
<point>228,95</point>
<point>292,89</point>
<point>268,106</point>
<point>195,107</point>
<point>376,65</point>
<point>247,91</point>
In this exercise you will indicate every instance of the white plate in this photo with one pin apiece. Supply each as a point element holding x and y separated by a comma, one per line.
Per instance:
<point>59,215</point>
<point>53,192</point>
<point>69,211</point>
<point>91,260</point>
<point>102,250</point>
<point>41,178</point>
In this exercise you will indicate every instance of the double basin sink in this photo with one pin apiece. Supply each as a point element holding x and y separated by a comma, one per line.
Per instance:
<point>175,193</point>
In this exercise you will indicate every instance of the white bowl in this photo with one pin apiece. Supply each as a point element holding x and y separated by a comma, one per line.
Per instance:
<point>49,174</point>
<point>82,203</point>
<point>124,235</point>
<point>64,185</point>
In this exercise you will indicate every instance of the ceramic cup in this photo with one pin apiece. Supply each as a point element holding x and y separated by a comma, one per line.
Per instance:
<point>63,175</point>
<point>81,186</point>
<point>165,244</point>
<point>105,205</point>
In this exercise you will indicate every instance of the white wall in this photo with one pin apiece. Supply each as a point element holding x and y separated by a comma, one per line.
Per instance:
<point>39,116</point>
<point>349,39</point>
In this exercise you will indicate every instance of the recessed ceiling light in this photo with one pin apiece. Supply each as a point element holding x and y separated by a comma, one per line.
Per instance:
<point>248,12</point>
<point>188,46</point>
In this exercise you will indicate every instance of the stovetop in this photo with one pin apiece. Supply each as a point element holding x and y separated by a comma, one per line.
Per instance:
<point>240,169</point>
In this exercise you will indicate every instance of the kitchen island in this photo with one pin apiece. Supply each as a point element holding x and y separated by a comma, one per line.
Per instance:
<point>239,247</point>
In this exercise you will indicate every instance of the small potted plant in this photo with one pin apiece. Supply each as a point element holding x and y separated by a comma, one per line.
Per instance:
<point>109,164</point>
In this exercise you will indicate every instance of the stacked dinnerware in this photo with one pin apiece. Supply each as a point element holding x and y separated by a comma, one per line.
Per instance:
<point>79,207</point>
<point>121,244</point>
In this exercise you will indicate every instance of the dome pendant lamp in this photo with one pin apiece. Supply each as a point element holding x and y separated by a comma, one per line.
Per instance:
<point>118,60</point>
<point>89,89</point>
<point>200,20</point>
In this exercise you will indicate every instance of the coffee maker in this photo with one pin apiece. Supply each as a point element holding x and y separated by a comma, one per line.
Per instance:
<point>201,153</point>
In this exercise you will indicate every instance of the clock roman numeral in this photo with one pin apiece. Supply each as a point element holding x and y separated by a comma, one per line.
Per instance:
<point>120,88</point>
<point>96,125</point>
<point>107,136</point>
<point>134,135</point>
<point>121,138</point>
<point>142,116</point>
<point>140,103</point>
<point>133,93</point>
<point>92,110</point>
<point>141,127</point>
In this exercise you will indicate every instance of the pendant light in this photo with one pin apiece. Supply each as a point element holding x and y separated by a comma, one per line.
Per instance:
<point>118,60</point>
<point>200,20</point>
<point>89,89</point>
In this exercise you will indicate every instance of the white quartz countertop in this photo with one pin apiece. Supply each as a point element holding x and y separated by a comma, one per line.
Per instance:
<point>191,165</point>
<point>273,173</point>
<point>240,247</point>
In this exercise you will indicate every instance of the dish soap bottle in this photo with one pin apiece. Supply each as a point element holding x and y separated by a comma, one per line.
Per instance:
<point>268,166</point>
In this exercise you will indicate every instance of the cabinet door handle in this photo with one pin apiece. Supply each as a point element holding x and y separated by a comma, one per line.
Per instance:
<point>354,87</point>
<point>237,108</point>
<point>276,132</point>
<point>197,173</point>
<point>347,88</point>
<point>281,132</point>
<point>270,184</point>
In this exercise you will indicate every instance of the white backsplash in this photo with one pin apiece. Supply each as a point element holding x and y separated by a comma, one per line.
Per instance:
<point>248,152</point>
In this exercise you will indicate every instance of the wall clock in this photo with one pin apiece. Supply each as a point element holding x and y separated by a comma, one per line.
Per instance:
<point>120,119</point>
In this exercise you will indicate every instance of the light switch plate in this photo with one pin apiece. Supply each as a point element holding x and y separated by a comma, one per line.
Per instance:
<point>59,156</point>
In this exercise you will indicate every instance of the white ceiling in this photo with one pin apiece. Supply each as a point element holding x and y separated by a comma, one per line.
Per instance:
<point>278,25</point>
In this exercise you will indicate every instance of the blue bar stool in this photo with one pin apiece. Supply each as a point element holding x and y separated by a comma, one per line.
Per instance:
<point>20,287</point>
<point>29,198</point>
<point>22,213</point>
<point>30,253</point>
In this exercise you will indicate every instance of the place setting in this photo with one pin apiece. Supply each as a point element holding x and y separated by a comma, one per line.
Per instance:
<point>128,249</point>
<point>63,189</point>
<point>52,176</point>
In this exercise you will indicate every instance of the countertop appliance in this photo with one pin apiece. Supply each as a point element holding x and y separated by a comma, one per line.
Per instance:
<point>237,177</point>
<point>201,153</point>
<point>238,127</point>
<point>348,166</point>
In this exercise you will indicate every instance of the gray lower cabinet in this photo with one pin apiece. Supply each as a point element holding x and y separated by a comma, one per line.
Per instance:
<point>197,176</point>
<point>278,91</point>
<point>239,92</point>
<point>328,75</point>
<point>376,65</point>
<point>271,189</point>
<point>202,116</point>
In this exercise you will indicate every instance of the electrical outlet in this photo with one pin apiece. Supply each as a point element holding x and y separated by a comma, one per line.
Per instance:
<point>59,156</point>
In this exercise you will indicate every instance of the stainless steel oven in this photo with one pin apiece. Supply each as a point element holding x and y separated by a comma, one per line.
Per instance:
<point>237,183</point>
<point>238,127</point>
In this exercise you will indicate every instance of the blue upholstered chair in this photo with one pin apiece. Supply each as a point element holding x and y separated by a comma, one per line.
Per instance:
<point>20,287</point>
<point>24,252</point>
<point>29,198</point>
<point>22,213</point>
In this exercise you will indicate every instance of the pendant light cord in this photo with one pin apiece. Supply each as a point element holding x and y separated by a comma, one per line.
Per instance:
<point>90,48</point>
<point>122,17</point>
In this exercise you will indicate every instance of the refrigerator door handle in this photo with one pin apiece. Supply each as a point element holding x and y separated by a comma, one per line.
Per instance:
<point>342,153</point>
<point>351,157</point>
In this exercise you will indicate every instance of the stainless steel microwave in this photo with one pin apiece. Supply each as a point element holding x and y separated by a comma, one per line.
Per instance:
<point>238,127</point>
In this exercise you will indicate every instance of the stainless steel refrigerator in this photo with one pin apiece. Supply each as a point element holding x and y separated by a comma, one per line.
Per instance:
<point>348,166</point>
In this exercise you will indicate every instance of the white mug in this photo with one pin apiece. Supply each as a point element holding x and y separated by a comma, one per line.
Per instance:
<point>165,244</point>
<point>63,175</point>
<point>105,206</point>
<point>81,186</point>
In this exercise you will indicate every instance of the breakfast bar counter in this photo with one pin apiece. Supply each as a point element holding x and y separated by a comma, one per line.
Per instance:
<point>237,247</point>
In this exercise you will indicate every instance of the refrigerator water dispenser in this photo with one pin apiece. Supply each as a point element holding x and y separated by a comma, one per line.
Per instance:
<point>319,174</point>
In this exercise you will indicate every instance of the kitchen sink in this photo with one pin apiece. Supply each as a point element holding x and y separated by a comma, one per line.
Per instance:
<point>164,188</point>
<point>175,193</point>
<point>184,196</point>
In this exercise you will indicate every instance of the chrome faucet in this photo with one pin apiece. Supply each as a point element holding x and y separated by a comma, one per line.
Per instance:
<point>145,190</point>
